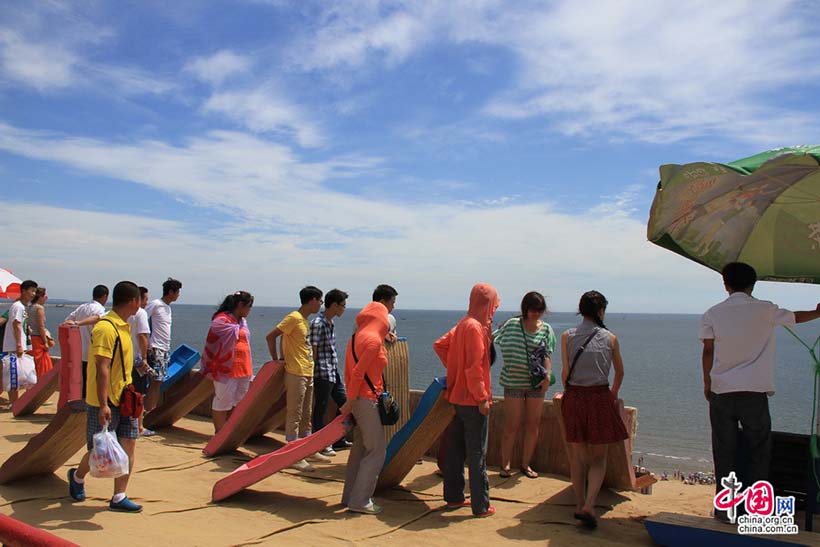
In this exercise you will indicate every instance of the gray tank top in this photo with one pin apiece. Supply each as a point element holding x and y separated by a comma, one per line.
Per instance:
<point>592,368</point>
<point>32,318</point>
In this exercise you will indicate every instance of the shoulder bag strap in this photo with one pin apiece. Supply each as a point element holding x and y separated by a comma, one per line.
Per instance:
<point>366,378</point>
<point>117,345</point>
<point>580,351</point>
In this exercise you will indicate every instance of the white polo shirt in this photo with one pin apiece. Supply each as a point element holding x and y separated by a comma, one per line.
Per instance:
<point>743,330</point>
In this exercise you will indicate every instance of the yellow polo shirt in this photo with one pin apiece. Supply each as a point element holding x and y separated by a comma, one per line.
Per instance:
<point>295,346</point>
<point>103,338</point>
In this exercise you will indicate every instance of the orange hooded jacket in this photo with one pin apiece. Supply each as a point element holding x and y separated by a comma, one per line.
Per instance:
<point>465,350</point>
<point>372,326</point>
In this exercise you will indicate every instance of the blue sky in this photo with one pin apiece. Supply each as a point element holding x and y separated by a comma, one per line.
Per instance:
<point>265,145</point>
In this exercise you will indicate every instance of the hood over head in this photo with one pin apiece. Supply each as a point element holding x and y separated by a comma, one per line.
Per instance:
<point>483,303</point>
<point>373,319</point>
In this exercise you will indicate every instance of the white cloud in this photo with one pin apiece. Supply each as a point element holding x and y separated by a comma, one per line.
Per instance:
<point>659,72</point>
<point>286,227</point>
<point>48,50</point>
<point>219,66</point>
<point>263,110</point>
<point>35,64</point>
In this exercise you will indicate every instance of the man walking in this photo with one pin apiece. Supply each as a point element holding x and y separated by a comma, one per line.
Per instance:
<point>110,363</point>
<point>326,380</point>
<point>738,373</point>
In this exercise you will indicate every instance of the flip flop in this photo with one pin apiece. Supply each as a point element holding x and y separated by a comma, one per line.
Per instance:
<point>505,472</point>
<point>530,474</point>
<point>588,521</point>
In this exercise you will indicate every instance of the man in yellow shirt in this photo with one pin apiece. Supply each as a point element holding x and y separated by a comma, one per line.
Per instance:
<point>298,358</point>
<point>110,362</point>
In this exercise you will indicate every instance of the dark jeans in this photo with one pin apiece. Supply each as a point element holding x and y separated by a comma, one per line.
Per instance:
<point>467,442</point>
<point>751,411</point>
<point>323,390</point>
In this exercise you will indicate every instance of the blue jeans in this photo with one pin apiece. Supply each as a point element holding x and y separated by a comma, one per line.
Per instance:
<point>467,442</point>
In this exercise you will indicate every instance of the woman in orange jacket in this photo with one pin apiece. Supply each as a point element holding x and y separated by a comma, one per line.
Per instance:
<point>465,352</point>
<point>365,360</point>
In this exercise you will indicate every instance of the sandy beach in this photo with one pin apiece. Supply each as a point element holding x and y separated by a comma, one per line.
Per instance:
<point>173,480</point>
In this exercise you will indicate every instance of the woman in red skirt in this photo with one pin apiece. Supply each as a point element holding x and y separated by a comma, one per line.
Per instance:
<point>590,407</point>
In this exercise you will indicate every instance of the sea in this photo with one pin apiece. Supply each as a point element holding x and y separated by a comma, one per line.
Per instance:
<point>662,363</point>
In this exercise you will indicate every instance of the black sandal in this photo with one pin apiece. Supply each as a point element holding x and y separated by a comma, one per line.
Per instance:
<point>505,473</point>
<point>529,473</point>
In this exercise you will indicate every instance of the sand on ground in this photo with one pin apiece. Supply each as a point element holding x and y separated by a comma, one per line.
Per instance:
<point>173,480</point>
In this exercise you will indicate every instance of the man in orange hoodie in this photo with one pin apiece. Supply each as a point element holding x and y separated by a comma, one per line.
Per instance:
<point>365,361</point>
<point>465,352</point>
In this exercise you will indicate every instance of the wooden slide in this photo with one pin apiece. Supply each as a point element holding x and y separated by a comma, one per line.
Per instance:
<point>265,391</point>
<point>620,473</point>
<point>64,436</point>
<point>34,398</point>
<point>47,451</point>
<point>179,401</point>
<point>432,416</point>
<point>264,466</point>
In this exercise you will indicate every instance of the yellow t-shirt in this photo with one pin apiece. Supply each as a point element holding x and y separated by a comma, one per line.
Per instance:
<point>295,346</point>
<point>103,339</point>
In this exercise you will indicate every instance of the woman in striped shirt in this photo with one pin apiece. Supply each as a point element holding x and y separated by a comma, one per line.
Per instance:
<point>523,402</point>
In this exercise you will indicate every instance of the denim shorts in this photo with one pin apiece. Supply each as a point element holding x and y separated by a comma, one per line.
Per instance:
<point>126,428</point>
<point>523,393</point>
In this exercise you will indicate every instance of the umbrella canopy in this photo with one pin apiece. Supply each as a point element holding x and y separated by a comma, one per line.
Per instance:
<point>9,285</point>
<point>763,210</point>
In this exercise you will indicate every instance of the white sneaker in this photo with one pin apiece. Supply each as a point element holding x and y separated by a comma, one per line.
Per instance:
<point>302,465</point>
<point>328,451</point>
<point>369,509</point>
<point>319,457</point>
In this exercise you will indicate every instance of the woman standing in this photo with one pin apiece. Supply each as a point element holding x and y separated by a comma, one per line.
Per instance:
<point>590,408</point>
<point>518,339</point>
<point>227,356</point>
<point>365,362</point>
<point>465,353</point>
<point>41,340</point>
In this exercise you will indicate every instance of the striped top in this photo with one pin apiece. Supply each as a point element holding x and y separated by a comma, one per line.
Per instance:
<point>509,339</point>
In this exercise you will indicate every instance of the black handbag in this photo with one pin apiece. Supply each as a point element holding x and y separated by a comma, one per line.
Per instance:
<point>537,358</point>
<point>389,411</point>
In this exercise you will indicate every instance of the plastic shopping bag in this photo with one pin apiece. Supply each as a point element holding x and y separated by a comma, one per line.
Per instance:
<point>107,459</point>
<point>18,372</point>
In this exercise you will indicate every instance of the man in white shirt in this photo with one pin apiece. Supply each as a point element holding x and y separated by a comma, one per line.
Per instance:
<point>738,373</point>
<point>139,339</point>
<point>15,339</point>
<point>159,317</point>
<point>86,316</point>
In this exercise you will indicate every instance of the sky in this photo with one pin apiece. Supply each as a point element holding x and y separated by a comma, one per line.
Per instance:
<point>268,145</point>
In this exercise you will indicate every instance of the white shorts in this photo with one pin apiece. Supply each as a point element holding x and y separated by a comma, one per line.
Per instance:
<point>229,392</point>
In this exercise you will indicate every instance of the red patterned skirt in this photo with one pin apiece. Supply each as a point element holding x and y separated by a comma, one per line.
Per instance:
<point>591,416</point>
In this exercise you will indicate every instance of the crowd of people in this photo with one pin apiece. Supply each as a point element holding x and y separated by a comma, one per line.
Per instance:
<point>128,349</point>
